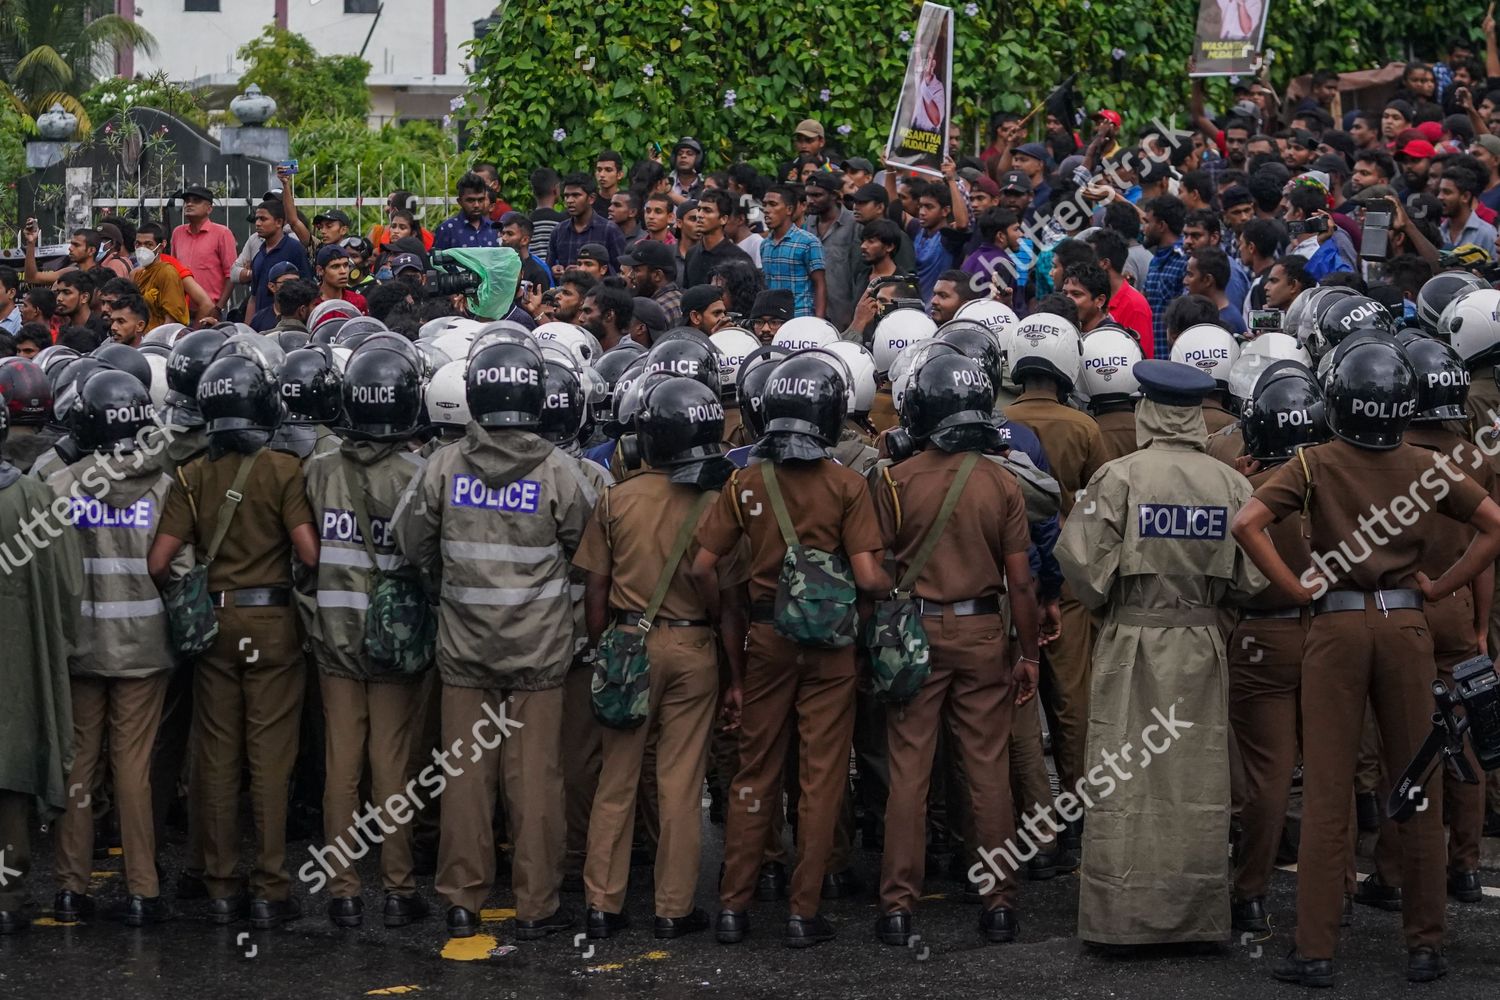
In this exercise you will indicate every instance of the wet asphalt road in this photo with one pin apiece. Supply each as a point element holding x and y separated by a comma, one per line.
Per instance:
<point>312,959</point>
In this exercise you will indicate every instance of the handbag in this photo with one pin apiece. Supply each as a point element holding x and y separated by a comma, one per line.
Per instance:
<point>620,690</point>
<point>900,653</point>
<point>192,623</point>
<point>815,591</point>
<point>400,627</point>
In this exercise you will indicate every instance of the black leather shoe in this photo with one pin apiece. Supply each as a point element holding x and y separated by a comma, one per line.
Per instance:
<point>1464,887</point>
<point>143,910</point>
<point>999,925</point>
<point>1042,866</point>
<point>771,885</point>
<point>839,885</point>
<point>1316,972</point>
<point>894,928</point>
<point>676,927</point>
<point>804,932</point>
<point>535,930</point>
<point>1424,965</point>
<point>266,914</point>
<point>69,907</point>
<point>1248,916</point>
<point>603,924</point>
<point>461,922</point>
<point>346,911</point>
<point>1373,892</point>
<point>1346,919</point>
<point>1367,811</point>
<point>227,910</point>
<point>403,910</point>
<point>1072,838</point>
<point>190,886</point>
<point>13,922</point>
<point>732,926</point>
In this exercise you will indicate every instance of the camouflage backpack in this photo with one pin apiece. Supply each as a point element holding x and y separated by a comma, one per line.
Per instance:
<point>896,639</point>
<point>400,626</point>
<point>192,623</point>
<point>815,594</point>
<point>621,686</point>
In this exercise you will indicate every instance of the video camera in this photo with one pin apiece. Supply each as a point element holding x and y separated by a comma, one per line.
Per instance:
<point>877,284</point>
<point>1477,690</point>
<point>447,277</point>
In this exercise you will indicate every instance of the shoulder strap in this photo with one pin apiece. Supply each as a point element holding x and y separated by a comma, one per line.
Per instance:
<point>950,501</point>
<point>778,506</point>
<point>192,504</point>
<point>885,471</point>
<point>356,485</point>
<point>1307,488</point>
<point>232,498</point>
<point>674,559</point>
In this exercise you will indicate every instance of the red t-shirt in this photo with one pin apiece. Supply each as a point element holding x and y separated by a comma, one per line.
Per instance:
<point>1131,310</point>
<point>353,298</point>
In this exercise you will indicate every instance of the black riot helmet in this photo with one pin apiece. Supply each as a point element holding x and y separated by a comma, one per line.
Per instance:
<point>1442,380</point>
<point>70,385</point>
<point>750,385</point>
<point>804,407</point>
<point>681,429</point>
<point>951,403</point>
<point>292,340</point>
<point>686,357</point>
<point>563,408</point>
<point>328,332</point>
<point>610,366</point>
<point>1438,291</point>
<point>974,341</point>
<point>382,395</point>
<point>113,409</point>
<point>190,358</point>
<point>1371,394</point>
<point>1346,315</point>
<point>505,386</point>
<point>4,421</point>
<point>236,393</point>
<point>26,391</point>
<point>124,359</point>
<point>1285,411</point>
<point>310,386</point>
<point>384,339</point>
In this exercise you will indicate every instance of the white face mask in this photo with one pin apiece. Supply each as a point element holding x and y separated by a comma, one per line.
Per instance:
<point>144,257</point>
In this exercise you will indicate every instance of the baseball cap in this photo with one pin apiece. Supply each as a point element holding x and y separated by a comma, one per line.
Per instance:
<point>872,192</point>
<point>510,217</point>
<point>809,127</point>
<point>1375,192</point>
<point>777,303</point>
<point>652,316</point>
<point>1113,117</point>
<point>194,191</point>
<point>857,163</point>
<point>1245,109</point>
<point>1305,139</point>
<point>406,262</point>
<point>652,254</point>
<point>699,298</point>
<point>1419,149</point>
<point>596,252</point>
<point>331,253</point>
<point>1036,151</point>
<point>281,269</point>
<point>1431,131</point>
<point>1015,180</point>
<point>827,181</point>
<point>332,215</point>
<point>1332,163</point>
<point>988,186</point>
<point>1489,142</point>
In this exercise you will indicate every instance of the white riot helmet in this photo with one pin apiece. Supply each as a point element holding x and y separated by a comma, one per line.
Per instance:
<point>733,344</point>
<point>1277,347</point>
<point>341,358</point>
<point>904,368</point>
<point>329,309</point>
<point>584,346</point>
<point>454,344</point>
<point>1210,349</point>
<point>997,317</point>
<point>1469,323</point>
<point>897,331</point>
<point>446,398</point>
<point>1108,356</point>
<point>805,333</point>
<point>861,373</point>
<point>158,386</point>
<point>1046,344</point>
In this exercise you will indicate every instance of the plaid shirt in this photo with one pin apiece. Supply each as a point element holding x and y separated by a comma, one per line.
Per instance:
<point>669,297</point>
<point>1164,282</point>
<point>790,262</point>
<point>567,241</point>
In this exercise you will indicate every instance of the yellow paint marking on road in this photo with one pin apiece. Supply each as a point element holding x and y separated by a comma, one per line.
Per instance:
<point>494,916</point>
<point>469,949</point>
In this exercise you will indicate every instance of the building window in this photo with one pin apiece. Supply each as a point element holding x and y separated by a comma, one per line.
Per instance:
<point>361,6</point>
<point>201,6</point>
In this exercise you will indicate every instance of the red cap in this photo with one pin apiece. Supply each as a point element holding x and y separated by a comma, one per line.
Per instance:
<point>1113,117</point>
<point>1419,149</point>
<point>1431,131</point>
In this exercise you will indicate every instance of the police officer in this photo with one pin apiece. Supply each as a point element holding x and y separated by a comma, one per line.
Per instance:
<point>1213,350</point>
<point>244,509</point>
<point>625,552</point>
<point>494,520</point>
<point>734,345</point>
<point>311,388</point>
<point>1149,547</point>
<point>183,424</point>
<point>896,331</point>
<point>980,553</point>
<point>1110,390</point>
<point>1265,650</point>
<point>28,401</point>
<point>40,587</point>
<point>1368,635</point>
<point>120,659</point>
<point>1471,327</point>
<point>828,508</point>
<point>856,446</point>
<point>372,714</point>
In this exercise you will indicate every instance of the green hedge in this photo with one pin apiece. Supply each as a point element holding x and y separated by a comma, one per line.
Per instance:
<point>536,77</point>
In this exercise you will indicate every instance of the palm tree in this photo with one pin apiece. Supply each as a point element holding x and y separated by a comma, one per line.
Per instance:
<point>52,51</point>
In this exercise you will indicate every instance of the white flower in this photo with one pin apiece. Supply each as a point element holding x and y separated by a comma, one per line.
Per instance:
<point>844,129</point>
<point>1118,54</point>
<point>825,95</point>
<point>1087,5</point>
<point>559,134</point>
<point>687,10</point>
<point>649,70</point>
<point>729,98</point>
<point>905,36</point>
<point>971,9</point>
<point>1233,79</point>
<point>457,104</point>
<point>447,121</point>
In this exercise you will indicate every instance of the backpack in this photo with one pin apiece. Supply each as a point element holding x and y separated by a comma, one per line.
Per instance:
<point>815,593</point>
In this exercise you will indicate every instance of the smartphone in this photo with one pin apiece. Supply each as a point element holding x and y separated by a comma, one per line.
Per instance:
<point>1265,320</point>
<point>656,148</point>
<point>526,287</point>
<point>1307,227</point>
<point>286,167</point>
<point>1375,243</point>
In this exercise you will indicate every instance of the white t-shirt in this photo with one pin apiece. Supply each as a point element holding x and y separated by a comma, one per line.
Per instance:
<point>751,245</point>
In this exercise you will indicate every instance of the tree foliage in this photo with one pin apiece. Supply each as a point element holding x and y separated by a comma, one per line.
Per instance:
<point>52,51</point>
<point>304,84</point>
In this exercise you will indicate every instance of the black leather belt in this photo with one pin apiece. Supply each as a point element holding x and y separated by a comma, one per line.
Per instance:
<point>252,597</point>
<point>634,618</point>
<point>1359,600</point>
<point>1250,616</point>
<point>961,609</point>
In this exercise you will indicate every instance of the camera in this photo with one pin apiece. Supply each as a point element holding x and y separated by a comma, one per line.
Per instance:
<point>1476,690</point>
<point>1375,244</point>
<point>445,278</point>
<point>1307,227</point>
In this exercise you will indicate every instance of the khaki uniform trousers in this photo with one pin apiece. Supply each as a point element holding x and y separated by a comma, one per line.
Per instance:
<point>1065,678</point>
